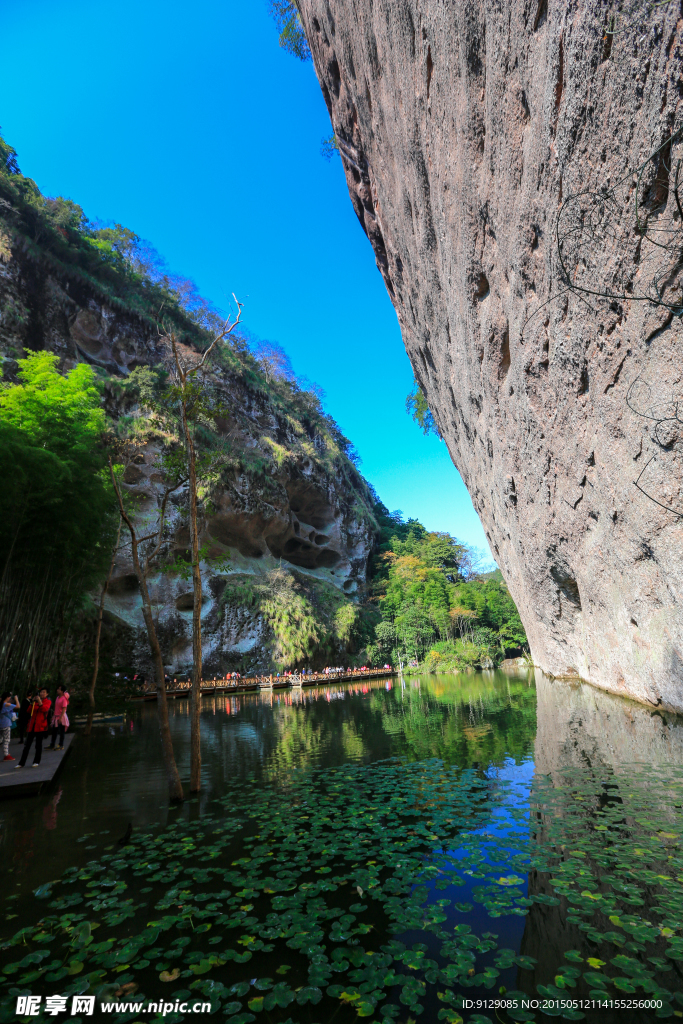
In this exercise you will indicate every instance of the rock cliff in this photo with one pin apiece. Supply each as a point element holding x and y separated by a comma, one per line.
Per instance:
<point>465,130</point>
<point>287,493</point>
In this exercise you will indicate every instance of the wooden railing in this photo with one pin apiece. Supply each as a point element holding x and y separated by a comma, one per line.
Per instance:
<point>267,682</point>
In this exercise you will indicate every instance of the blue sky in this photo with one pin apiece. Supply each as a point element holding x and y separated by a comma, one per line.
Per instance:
<point>186,123</point>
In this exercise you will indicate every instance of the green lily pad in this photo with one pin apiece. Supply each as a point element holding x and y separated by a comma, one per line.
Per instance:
<point>309,994</point>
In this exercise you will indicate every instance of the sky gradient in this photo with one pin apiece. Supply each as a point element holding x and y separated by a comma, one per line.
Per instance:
<point>188,124</point>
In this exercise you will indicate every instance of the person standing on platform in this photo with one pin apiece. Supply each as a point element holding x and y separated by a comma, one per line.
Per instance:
<point>60,719</point>
<point>8,705</point>
<point>24,715</point>
<point>37,728</point>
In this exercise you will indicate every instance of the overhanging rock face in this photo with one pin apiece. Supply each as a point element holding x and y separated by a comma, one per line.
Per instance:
<point>464,126</point>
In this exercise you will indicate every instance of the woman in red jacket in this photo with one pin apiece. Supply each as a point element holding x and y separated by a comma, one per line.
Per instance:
<point>37,727</point>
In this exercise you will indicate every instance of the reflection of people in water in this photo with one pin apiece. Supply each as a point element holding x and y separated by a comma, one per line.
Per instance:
<point>50,810</point>
<point>23,852</point>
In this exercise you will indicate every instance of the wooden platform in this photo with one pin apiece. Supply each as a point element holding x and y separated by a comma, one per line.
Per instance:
<point>28,781</point>
<point>100,718</point>
<point>281,683</point>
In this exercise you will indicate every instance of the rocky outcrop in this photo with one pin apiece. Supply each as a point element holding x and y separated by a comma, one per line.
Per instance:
<point>463,128</point>
<point>298,517</point>
<point>286,493</point>
<point>43,309</point>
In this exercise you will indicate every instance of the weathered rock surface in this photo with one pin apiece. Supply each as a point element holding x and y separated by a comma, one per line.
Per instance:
<point>297,517</point>
<point>40,309</point>
<point>462,127</point>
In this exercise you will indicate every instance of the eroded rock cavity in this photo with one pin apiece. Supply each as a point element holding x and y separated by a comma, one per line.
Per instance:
<point>463,127</point>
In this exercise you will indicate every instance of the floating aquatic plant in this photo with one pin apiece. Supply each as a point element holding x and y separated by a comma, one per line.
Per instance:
<point>380,891</point>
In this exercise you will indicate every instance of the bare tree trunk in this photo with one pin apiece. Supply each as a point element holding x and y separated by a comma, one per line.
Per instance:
<point>196,700</point>
<point>100,613</point>
<point>175,786</point>
<point>183,372</point>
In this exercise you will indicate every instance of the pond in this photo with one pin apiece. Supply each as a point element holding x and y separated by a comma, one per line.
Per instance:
<point>474,847</point>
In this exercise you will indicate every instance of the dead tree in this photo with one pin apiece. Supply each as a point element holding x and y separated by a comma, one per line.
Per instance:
<point>188,393</point>
<point>98,632</point>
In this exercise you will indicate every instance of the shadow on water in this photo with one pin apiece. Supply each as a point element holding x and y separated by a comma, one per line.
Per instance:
<point>606,801</point>
<point>488,821</point>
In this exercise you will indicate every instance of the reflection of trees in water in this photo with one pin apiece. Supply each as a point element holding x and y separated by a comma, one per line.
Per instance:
<point>468,721</point>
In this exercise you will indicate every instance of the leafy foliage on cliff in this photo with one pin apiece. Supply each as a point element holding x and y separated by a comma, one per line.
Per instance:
<point>256,414</point>
<point>118,267</point>
<point>416,405</point>
<point>312,622</point>
<point>56,524</point>
<point>427,603</point>
<point>292,37</point>
<point>435,607</point>
<point>113,262</point>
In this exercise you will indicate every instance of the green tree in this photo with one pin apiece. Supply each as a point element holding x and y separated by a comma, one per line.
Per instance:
<point>432,599</point>
<point>329,146</point>
<point>417,406</point>
<point>291,616</point>
<point>57,513</point>
<point>292,36</point>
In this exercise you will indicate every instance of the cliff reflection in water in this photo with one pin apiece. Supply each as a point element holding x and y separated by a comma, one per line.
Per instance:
<point>603,755</point>
<point>585,727</point>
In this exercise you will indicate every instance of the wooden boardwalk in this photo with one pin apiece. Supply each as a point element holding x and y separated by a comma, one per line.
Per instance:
<point>29,781</point>
<point>269,683</point>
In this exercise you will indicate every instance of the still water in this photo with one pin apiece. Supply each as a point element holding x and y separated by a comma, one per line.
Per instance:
<point>115,776</point>
<point>545,775</point>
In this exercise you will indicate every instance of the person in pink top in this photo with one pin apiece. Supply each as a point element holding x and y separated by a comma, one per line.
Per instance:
<point>60,719</point>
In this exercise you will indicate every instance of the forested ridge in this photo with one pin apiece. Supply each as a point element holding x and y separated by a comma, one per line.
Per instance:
<point>436,607</point>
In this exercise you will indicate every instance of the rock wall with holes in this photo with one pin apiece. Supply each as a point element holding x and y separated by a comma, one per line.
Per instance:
<point>463,128</point>
<point>298,517</point>
<point>279,499</point>
<point>40,309</point>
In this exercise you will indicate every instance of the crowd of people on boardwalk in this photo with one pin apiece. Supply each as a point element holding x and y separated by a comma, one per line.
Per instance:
<point>33,718</point>
<point>294,676</point>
